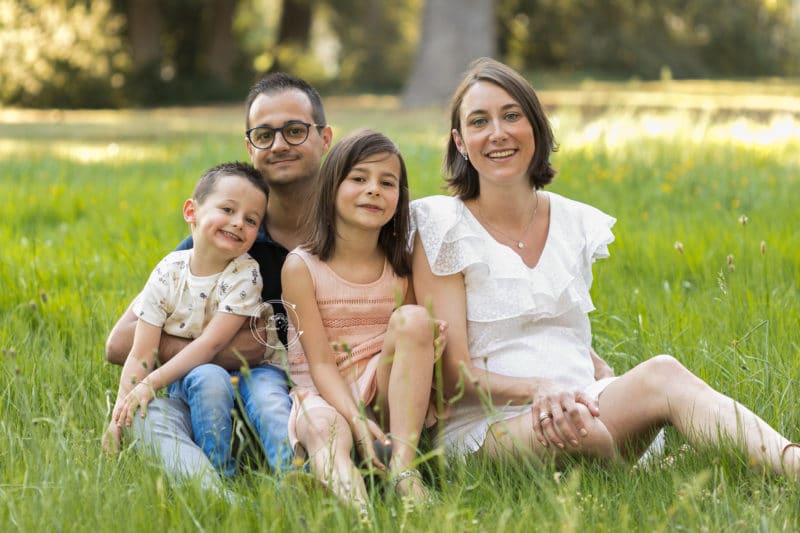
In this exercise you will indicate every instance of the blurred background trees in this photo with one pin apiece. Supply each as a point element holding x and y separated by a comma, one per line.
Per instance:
<point>114,53</point>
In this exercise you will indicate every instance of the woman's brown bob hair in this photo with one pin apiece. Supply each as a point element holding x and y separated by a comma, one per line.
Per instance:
<point>346,154</point>
<point>462,178</point>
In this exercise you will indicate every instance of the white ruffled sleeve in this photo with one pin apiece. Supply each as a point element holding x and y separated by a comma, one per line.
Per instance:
<point>499,284</point>
<point>436,220</point>
<point>592,230</point>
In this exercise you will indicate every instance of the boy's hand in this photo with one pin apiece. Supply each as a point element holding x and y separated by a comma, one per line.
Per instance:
<point>141,395</point>
<point>112,439</point>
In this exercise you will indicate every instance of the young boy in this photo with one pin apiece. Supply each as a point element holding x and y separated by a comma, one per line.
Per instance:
<point>205,294</point>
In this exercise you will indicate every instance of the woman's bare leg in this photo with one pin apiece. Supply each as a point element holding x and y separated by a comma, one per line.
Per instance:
<point>662,391</point>
<point>327,438</point>
<point>404,379</point>
<point>515,436</point>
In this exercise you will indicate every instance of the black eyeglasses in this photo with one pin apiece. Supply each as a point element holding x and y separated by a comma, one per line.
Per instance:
<point>294,133</point>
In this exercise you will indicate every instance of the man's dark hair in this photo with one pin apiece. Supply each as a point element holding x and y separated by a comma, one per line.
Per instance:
<point>277,82</point>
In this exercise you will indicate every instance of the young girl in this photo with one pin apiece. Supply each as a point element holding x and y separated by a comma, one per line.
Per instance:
<point>205,294</point>
<point>362,366</point>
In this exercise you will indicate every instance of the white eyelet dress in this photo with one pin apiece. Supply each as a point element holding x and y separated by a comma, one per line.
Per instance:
<point>521,321</point>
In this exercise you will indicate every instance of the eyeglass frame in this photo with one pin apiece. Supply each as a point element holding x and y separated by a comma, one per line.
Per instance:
<point>275,132</point>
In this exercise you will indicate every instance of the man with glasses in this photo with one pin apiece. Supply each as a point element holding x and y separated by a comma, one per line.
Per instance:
<point>286,137</point>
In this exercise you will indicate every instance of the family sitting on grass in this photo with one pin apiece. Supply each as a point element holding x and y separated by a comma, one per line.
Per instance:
<point>505,266</point>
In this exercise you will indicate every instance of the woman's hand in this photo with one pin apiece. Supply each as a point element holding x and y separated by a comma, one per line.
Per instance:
<point>601,368</point>
<point>141,395</point>
<point>557,419</point>
<point>365,431</point>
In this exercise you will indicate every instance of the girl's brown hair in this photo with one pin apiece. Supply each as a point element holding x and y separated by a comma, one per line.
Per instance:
<point>346,154</point>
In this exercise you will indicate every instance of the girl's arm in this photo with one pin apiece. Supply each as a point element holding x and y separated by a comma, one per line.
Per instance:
<point>298,289</point>
<point>216,335</point>
<point>447,294</point>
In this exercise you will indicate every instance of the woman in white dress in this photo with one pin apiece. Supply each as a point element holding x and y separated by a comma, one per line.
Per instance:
<point>508,266</point>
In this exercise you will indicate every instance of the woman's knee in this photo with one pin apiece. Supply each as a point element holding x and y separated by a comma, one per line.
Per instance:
<point>598,442</point>
<point>663,371</point>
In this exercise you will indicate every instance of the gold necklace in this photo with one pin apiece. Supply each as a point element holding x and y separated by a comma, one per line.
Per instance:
<point>519,242</point>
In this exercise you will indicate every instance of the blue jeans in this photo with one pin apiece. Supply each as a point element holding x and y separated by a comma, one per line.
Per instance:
<point>208,392</point>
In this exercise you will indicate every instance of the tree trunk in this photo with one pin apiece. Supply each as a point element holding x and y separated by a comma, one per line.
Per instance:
<point>144,31</point>
<point>294,33</point>
<point>454,32</point>
<point>221,48</point>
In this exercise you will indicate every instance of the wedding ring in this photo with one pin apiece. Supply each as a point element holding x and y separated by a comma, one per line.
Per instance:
<point>544,416</point>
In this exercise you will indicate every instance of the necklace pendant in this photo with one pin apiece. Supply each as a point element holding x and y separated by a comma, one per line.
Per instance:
<point>520,244</point>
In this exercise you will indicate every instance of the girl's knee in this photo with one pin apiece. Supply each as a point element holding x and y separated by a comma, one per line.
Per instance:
<point>412,322</point>
<point>323,428</point>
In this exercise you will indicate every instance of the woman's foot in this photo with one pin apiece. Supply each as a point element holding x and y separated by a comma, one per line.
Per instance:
<point>790,462</point>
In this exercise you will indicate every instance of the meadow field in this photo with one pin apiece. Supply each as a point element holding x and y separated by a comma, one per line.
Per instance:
<point>706,266</point>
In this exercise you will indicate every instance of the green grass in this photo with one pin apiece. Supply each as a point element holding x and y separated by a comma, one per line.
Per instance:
<point>91,202</point>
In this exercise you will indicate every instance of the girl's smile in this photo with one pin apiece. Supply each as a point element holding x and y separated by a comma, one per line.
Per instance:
<point>367,196</point>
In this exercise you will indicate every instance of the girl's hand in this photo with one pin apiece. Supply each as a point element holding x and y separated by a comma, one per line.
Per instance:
<point>140,396</point>
<point>112,439</point>
<point>365,431</point>
<point>601,368</point>
<point>556,418</point>
<point>439,337</point>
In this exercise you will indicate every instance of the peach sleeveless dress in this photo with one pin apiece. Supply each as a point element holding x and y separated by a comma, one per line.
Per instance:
<point>355,317</point>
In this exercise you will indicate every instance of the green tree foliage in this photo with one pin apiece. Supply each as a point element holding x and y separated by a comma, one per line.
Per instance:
<point>80,53</point>
<point>377,41</point>
<point>692,38</point>
<point>196,61</point>
<point>61,53</point>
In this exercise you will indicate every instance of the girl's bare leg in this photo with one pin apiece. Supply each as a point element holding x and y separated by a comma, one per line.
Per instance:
<point>662,391</point>
<point>404,387</point>
<point>327,438</point>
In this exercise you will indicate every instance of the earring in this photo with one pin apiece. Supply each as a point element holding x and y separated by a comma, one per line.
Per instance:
<point>466,157</point>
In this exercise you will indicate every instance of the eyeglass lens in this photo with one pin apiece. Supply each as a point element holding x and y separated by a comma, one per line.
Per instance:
<point>293,133</point>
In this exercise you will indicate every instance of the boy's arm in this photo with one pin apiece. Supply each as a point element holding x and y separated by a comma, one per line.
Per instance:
<point>216,335</point>
<point>138,364</point>
<point>120,343</point>
<point>140,392</point>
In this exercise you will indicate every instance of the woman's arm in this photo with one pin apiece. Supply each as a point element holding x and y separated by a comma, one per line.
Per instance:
<point>298,289</point>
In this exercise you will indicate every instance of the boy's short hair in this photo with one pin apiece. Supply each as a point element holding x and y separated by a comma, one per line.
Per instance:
<point>207,182</point>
